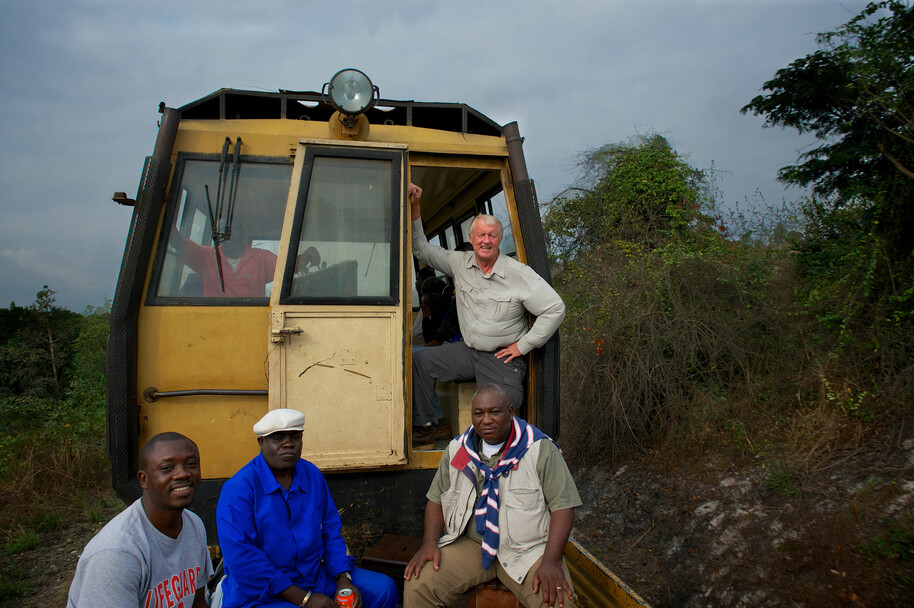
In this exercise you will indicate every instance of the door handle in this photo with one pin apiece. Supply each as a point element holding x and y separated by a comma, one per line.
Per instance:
<point>279,335</point>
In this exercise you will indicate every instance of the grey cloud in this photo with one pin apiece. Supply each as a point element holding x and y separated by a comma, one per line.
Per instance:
<point>82,79</point>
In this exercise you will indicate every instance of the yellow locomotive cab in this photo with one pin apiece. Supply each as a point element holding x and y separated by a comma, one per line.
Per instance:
<point>269,265</point>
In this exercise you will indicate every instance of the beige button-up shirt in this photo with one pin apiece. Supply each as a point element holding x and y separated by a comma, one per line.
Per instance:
<point>493,307</point>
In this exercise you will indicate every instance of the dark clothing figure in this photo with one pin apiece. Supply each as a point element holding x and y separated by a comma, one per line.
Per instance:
<point>441,325</point>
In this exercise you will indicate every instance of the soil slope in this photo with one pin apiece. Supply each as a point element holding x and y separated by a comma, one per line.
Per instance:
<point>713,532</point>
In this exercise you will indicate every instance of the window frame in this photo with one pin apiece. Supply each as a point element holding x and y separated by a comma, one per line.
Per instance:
<point>171,208</point>
<point>396,159</point>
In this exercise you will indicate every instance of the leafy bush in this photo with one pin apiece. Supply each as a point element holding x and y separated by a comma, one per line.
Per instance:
<point>52,438</point>
<point>665,315</point>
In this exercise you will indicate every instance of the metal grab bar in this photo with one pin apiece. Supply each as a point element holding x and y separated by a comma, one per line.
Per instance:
<point>151,394</point>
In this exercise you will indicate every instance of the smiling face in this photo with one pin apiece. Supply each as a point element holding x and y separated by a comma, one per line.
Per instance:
<point>281,450</point>
<point>492,416</point>
<point>170,475</point>
<point>485,239</point>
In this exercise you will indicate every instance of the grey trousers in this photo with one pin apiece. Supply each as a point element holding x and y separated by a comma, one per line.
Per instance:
<point>461,569</point>
<point>455,361</point>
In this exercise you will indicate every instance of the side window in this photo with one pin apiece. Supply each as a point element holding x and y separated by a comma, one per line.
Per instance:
<point>497,206</point>
<point>235,267</point>
<point>345,239</point>
<point>465,228</point>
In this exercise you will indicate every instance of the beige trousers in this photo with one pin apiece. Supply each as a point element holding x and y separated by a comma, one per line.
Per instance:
<point>461,569</point>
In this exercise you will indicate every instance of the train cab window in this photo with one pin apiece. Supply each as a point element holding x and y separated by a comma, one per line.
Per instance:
<point>446,239</point>
<point>465,227</point>
<point>496,205</point>
<point>247,205</point>
<point>345,236</point>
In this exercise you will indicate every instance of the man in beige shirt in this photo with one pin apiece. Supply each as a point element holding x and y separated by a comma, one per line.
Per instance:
<point>500,506</point>
<point>495,293</point>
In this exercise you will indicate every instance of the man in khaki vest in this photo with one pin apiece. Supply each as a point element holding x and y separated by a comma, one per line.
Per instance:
<point>500,506</point>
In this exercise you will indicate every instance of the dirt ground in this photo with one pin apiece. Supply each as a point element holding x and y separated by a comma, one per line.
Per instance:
<point>50,566</point>
<point>714,531</point>
<point>710,530</point>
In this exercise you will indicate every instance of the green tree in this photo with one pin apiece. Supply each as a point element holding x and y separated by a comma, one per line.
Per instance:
<point>856,94</point>
<point>640,190</point>
<point>664,315</point>
<point>35,350</point>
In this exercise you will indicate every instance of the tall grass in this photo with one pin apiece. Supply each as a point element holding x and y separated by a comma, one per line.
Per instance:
<point>53,466</point>
<point>54,469</point>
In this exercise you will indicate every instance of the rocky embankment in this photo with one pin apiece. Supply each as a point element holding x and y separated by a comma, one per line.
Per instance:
<point>710,532</point>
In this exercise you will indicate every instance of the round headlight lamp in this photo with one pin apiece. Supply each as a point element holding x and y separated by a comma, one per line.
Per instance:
<point>350,92</point>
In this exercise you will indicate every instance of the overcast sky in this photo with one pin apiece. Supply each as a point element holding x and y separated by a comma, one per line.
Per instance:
<point>81,80</point>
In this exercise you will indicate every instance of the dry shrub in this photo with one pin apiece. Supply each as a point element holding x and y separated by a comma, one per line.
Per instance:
<point>64,477</point>
<point>813,434</point>
<point>655,343</point>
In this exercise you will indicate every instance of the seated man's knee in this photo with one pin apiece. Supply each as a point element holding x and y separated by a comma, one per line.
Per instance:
<point>378,590</point>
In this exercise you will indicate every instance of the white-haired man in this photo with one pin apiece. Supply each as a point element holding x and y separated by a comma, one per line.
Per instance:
<point>494,295</point>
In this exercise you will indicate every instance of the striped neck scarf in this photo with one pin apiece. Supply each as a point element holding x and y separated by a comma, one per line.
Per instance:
<point>520,438</point>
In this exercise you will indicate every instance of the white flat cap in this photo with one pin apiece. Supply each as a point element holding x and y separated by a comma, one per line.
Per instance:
<point>280,420</point>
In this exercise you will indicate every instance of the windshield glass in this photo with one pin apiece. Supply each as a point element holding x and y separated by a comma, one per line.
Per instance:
<point>247,206</point>
<point>344,239</point>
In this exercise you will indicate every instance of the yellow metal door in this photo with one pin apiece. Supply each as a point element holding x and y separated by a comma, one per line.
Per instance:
<point>337,344</point>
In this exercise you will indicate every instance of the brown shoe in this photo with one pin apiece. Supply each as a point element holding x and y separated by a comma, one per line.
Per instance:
<point>441,432</point>
<point>422,434</point>
<point>428,434</point>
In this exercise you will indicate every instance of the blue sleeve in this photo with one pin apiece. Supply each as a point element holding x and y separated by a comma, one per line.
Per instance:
<point>235,521</point>
<point>336,558</point>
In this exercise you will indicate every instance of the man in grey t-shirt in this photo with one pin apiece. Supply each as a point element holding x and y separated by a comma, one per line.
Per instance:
<point>154,553</point>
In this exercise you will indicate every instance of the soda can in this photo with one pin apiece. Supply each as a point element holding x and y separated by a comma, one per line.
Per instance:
<point>345,598</point>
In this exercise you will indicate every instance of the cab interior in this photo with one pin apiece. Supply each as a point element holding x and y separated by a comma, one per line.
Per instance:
<point>451,198</point>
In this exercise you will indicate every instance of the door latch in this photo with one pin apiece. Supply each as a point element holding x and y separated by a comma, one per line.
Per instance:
<point>278,335</point>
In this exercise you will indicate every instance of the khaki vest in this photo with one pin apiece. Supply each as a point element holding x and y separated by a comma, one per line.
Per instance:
<point>523,519</point>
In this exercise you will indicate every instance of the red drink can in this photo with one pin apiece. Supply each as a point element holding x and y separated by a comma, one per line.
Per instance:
<point>345,598</point>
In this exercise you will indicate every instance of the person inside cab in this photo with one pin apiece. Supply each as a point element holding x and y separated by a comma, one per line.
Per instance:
<point>246,270</point>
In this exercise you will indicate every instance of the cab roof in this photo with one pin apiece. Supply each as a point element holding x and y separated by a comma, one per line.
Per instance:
<point>233,104</point>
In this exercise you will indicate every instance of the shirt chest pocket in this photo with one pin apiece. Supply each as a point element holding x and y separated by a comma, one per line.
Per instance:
<point>490,304</point>
<point>451,508</point>
<point>501,307</point>
<point>525,515</point>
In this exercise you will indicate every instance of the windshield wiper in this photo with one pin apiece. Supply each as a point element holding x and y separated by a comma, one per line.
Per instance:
<point>215,216</point>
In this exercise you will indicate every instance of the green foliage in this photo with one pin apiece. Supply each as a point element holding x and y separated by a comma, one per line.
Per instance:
<point>856,94</point>
<point>45,521</point>
<point>640,191</point>
<point>52,421</point>
<point>664,315</point>
<point>24,541</point>
<point>14,582</point>
<point>782,480</point>
<point>862,299</point>
<point>895,542</point>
